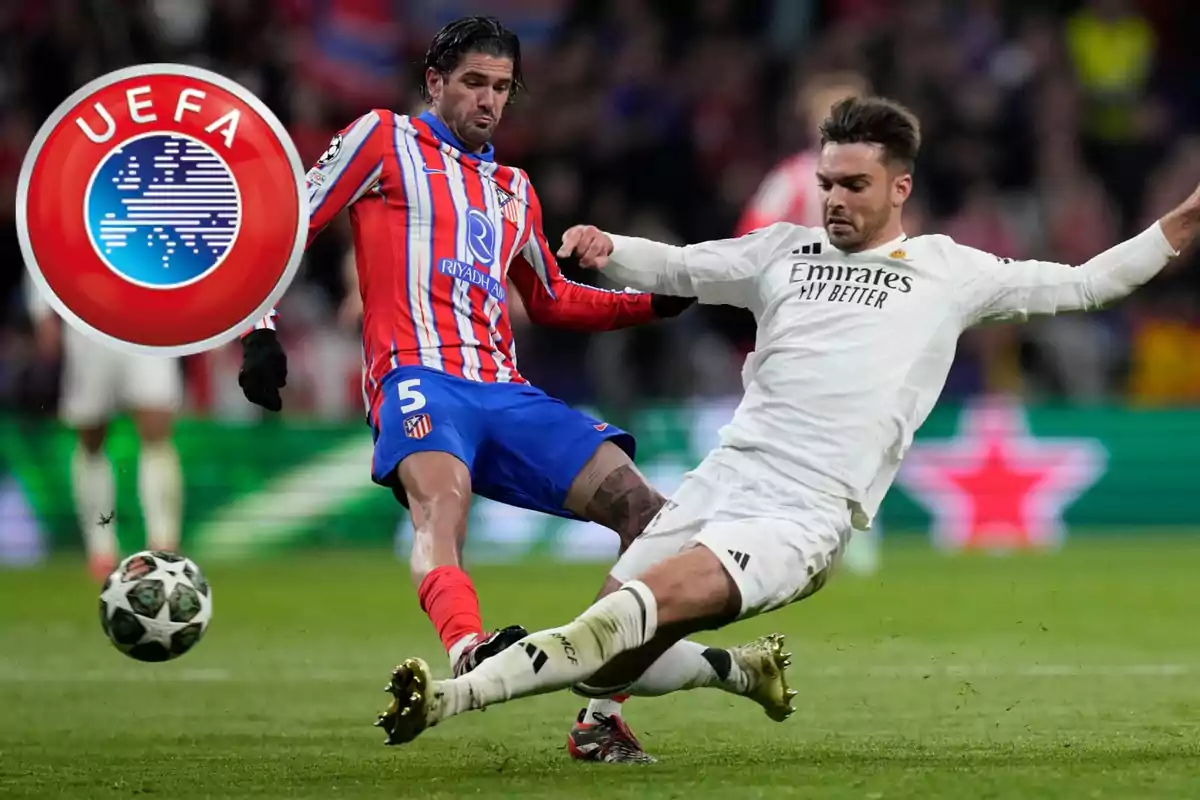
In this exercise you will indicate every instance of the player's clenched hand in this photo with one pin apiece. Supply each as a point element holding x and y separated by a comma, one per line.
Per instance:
<point>264,369</point>
<point>589,243</point>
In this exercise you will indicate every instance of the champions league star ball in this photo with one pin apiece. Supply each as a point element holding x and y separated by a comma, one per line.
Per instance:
<point>155,606</point>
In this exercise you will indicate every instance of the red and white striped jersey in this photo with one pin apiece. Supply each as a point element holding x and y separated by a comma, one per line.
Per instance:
<point>789,193</point>
<point>438,235</point>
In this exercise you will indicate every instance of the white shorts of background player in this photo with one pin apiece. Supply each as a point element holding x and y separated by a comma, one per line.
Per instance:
<point>100,382</point>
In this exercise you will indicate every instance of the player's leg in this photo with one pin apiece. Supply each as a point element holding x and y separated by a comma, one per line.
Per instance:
<point>610,491</point>
<point>774,560</point>
<point>658,668</point>
<point>585,472</point>
<point>863,552</point>
<point>671,663</point>
<point>426,437</point>
<point>666,664</point>
<point>93,486</point>
<point>689,592</point>
<point>152,389</point>
<point>160,479</point>
<point>88,402</point>
<point>743,567</point>
<point>437,486</point>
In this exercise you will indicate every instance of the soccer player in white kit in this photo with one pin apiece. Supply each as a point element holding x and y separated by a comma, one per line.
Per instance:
<point>790,193</point>
<point>99,382</point>
<point>857,326</point>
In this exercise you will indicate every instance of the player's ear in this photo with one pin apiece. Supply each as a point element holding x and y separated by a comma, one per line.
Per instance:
<point>901,189</point>
<point>433,83</point>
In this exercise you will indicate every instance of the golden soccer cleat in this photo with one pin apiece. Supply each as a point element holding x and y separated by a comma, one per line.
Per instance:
<point>407,716</point>
<point>765,662</point>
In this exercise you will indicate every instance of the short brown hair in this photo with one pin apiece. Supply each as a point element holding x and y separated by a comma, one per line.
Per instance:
<point>875,120</point>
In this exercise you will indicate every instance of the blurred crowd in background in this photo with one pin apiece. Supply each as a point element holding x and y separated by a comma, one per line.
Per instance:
<point>1052,130</point>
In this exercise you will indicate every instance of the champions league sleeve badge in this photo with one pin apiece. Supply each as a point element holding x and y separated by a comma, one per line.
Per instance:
<point>162,209</point>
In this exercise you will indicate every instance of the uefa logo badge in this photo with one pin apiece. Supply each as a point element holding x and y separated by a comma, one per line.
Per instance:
<point>162,209</point>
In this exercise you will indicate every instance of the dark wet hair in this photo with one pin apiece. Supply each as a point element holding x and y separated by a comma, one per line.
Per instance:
<point>485,35</point>
<point>875,120</point>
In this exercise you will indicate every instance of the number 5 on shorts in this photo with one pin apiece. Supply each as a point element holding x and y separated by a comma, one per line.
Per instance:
<point>411,398</point>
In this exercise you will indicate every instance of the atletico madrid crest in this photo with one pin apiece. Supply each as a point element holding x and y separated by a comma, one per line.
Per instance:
<point>510,207</point>
<point>161,209</point>
<point>417,426</point>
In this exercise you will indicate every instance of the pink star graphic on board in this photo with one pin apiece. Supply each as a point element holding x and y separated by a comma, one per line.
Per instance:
<point>994,485</point>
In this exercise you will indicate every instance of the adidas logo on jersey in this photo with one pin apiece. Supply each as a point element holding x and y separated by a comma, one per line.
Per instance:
<point>742,559</point>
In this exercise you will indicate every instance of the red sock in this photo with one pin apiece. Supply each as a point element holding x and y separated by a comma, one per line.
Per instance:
<point>448,597</point>
<point>620,698</point>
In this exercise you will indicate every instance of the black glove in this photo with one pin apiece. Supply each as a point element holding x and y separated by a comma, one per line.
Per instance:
<point>665,305</point>
<point>264,369</point>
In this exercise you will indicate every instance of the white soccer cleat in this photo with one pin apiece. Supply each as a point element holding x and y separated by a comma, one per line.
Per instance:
<point>764,663</point>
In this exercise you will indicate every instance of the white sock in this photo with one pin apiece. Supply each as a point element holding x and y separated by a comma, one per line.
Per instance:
<point>687,665</point>
<point>862,554</point>
<point>160,491</point>
<point>457,648</point>
<point>94,488</point>
<point>554,659</point>
<point>605,707</point>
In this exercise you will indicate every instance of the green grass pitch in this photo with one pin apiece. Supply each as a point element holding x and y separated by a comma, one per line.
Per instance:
<point>1073,675</point>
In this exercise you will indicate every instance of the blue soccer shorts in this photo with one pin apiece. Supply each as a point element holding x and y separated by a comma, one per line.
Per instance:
<point>521,446</point>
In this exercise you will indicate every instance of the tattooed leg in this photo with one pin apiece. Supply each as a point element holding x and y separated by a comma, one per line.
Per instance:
<point>610,491</point>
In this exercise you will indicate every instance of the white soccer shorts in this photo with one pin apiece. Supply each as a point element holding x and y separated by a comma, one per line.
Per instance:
<point>777,539</point>
<point>99,382</point>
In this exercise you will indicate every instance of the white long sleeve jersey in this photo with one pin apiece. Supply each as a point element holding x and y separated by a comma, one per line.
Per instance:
<point>853,349</point>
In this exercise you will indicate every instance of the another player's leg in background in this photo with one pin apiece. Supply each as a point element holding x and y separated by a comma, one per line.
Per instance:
<point>863,552</point>
<point>438,489</point>
<point>160,482</point>
<point>612,492</point>
<point>87,404</point>
<point>689,592</point>
<point>93,486</point>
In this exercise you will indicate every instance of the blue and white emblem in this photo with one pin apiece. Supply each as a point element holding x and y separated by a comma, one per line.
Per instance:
<point>163,210</point>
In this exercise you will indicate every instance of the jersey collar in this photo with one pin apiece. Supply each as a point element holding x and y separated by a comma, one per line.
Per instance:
<point>443,133</point>
<point>886,248</point>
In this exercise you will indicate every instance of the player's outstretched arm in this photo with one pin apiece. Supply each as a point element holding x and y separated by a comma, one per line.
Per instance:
<point>721,272</point>
<point>1000,289</point>
<point>551,299</point>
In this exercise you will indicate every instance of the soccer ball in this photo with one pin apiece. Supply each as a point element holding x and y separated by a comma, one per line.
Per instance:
<point>155,606</point>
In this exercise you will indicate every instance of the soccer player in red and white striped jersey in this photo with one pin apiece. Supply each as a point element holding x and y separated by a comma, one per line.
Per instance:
<point>436,232</point>
<point>439,229</point>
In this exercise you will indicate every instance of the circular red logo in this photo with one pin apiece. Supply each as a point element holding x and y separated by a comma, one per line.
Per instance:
<point>162,209</point>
